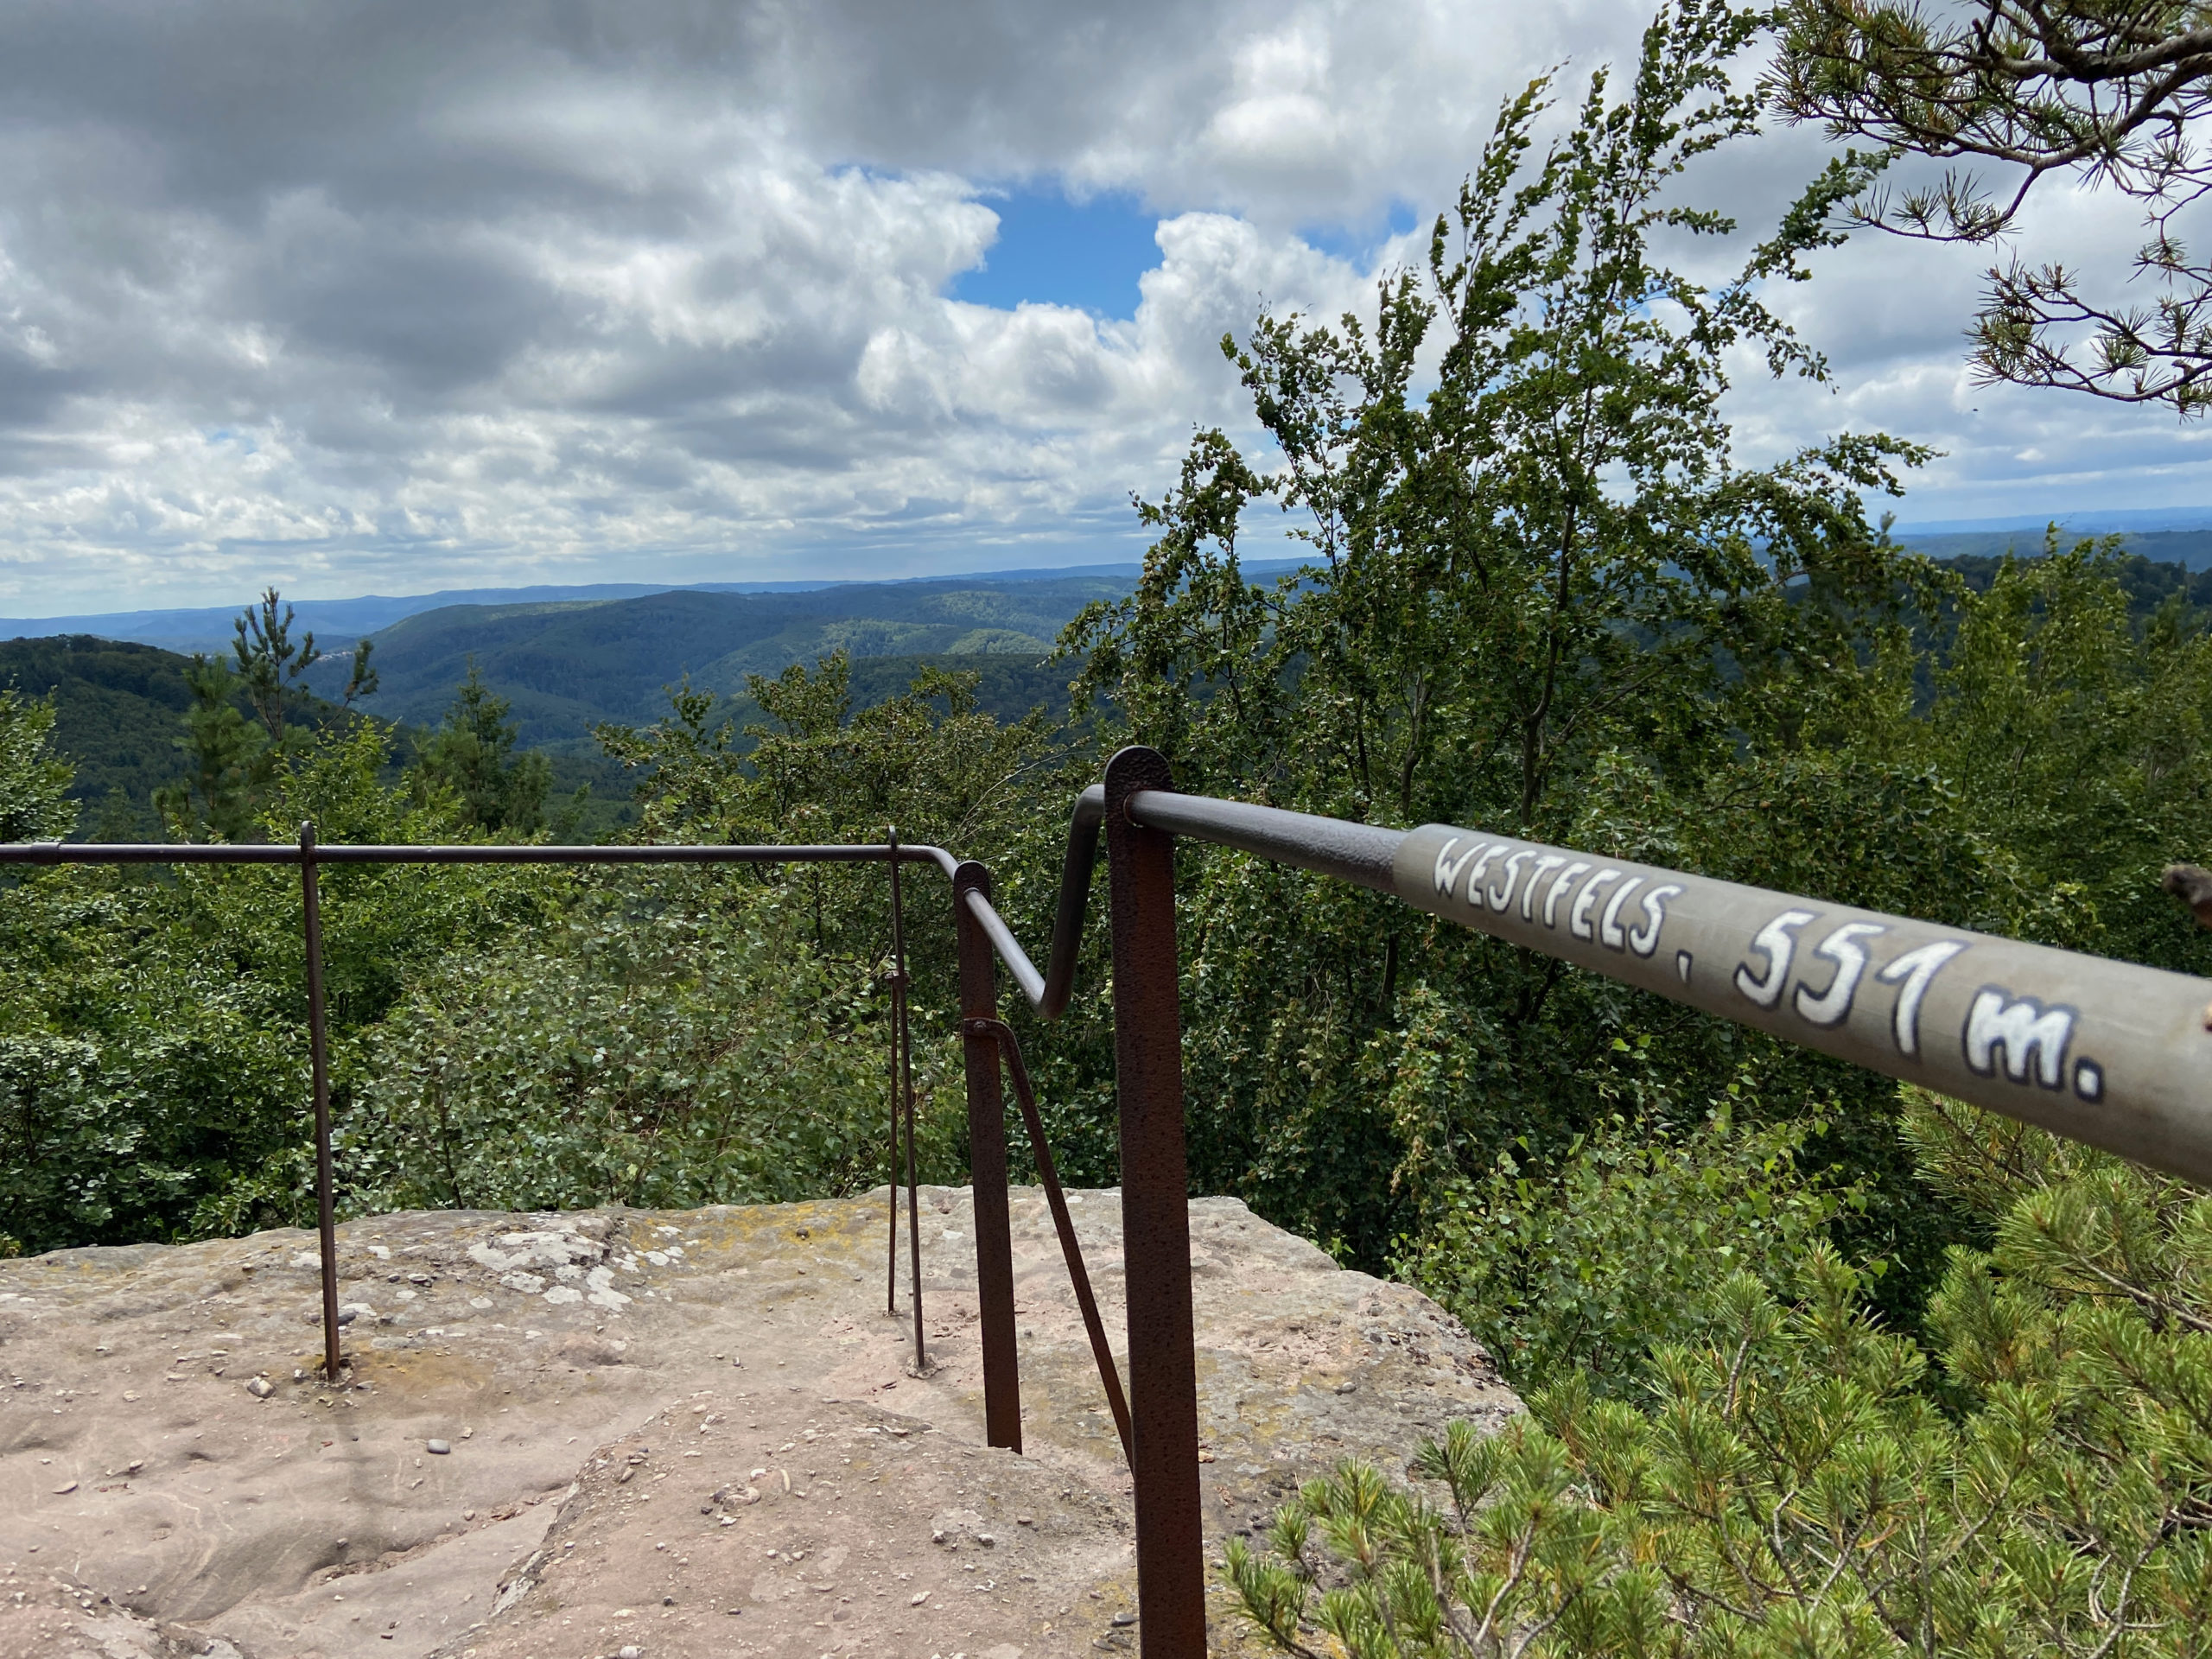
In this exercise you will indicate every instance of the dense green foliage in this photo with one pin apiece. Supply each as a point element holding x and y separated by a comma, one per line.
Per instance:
<point>1575,1266</point>
<point>1793,1482</point>
<point>501,1035</point>
<point>660,1045</point>
<point>472,756</point>
<point>153,1027</point>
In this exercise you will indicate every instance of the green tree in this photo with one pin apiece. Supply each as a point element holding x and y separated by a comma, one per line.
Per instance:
<point>271,666</point>
<point>1534,573</point>
<point>471,755</point>
<point>35,804</point>
<point>232,760</point>
<point>932,760</point>
<point>1576,1266</point>
<point>228,759</point>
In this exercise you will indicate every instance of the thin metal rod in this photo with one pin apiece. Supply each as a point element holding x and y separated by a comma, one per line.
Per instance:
<point>913,1187</point>
<point>891,1073</point>
<point>67,852</point>
<point>902,1048</point>
<point>1070,1249</point>
<point>319,1064</point>
<point>1155,1217</point>
<point>1025,973</point>
<point>1076,866</point>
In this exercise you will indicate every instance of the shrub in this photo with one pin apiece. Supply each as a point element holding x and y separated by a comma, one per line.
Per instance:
<point>144,1132</point>
<point>670,1044</point>
<point>1793,1482</point>
<point>1580,1265</point>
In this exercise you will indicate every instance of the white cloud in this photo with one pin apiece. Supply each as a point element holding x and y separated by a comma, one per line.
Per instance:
<point>391,298</point>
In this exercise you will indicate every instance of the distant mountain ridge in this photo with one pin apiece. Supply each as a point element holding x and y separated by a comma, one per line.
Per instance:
<point>338,623</point>
<point>568,666</point>
<point>2095,521</point>
<point>568,663</point>
<point>2191,549</point>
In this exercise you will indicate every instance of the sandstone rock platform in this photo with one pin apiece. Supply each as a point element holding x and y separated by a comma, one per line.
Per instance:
<point>677,1433</point>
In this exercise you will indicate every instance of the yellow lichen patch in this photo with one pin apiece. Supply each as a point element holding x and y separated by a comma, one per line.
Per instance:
<point>421,1372</point>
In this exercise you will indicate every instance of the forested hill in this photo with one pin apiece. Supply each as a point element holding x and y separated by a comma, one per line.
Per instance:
<point>2189,550</point>
<point>118,709</point>
<point>118,713</point>
<point>2148,582</point>
<point>567,667</point>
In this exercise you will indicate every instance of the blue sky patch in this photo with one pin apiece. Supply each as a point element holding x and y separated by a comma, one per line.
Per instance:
<point>1358,245</point>
<point>1054,251</point>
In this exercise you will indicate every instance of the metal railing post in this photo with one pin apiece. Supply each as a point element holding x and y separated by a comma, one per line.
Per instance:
<point>902,1093</point>
<point>979,1000</point>
<point>319,1066</point>
<point>891,1268</point>
<point>1155,1217</point>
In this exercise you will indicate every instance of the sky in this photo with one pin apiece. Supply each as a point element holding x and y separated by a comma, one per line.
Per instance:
<point>394,298</point>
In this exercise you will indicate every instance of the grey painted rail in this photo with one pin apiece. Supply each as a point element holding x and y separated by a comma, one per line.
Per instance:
<point>2111,1053</point>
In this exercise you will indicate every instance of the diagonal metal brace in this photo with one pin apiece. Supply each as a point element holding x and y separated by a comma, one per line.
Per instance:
<point>1108,1373</point>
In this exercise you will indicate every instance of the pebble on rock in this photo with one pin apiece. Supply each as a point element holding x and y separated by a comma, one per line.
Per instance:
<point>436,1448</point>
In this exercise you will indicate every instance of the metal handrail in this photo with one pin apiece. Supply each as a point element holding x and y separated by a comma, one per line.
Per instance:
<point>1358,853</point>
<point>2111,1053</point>
<point>136,852</point>
<point>310,855</point>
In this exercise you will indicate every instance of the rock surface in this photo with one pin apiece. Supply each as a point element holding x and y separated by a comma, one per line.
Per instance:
<point>685,1433</point>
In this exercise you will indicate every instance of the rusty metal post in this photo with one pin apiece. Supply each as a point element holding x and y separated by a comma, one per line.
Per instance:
<point>319,1064</point>
<point>1155,1217</point>
<point>979,1000</point>
<point>902,1044</point>
<point>891,1265</point>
